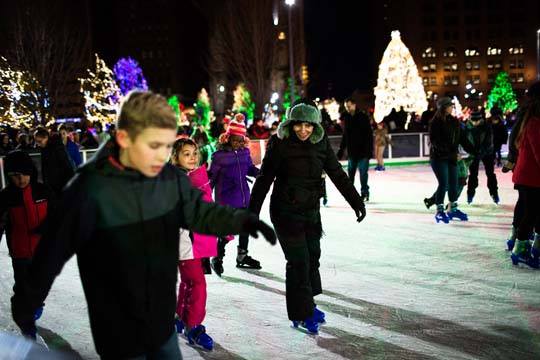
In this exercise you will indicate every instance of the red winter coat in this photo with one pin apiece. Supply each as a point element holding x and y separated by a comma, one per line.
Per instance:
<point>527,170</point>
<point>23,212</point>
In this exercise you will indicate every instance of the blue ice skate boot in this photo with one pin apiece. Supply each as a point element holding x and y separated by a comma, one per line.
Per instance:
<point>457,214</point>
<point>38,313</point>
<point>179,325</point>
<point>496,198</point>
<point>319,316</point>
<point>510,244</point>
<point>521,252</point>
<point>470,199</point>
<point>197,335</point>
<point>309,324</point>
<point>441,216</point>
<point>535,252</point>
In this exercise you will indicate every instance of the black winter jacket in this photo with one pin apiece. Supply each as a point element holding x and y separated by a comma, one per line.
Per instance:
<point>297,166</point>
<point>56,166</point>
<point>481,139</point>
<point>357,136</point>
<point>445,135</point>
<point>124,228</point>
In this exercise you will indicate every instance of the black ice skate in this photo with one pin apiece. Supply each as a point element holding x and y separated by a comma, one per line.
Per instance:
<point>243,260</point>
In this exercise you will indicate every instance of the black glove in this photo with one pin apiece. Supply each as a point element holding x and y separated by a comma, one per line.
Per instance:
<point>360,213</point>
<point>24,318</point>
<point>508,166</point>
<point>253,226</point>
<point>339,154</point>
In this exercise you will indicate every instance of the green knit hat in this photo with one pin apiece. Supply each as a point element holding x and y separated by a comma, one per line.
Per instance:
<point>302,113</point>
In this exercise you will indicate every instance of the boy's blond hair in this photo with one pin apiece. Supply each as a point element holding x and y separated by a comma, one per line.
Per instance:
<point>143,109</point>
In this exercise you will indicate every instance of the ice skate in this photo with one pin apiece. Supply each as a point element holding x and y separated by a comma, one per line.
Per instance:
<point>428,202</point>
<point>441,216</point>
<point>457,214</point>
<point>179,325</point>
<point>521,253</point>
<point>217,265</point>
<point>319,316</point>
<point>309,324</point>
<point>535,252</point>
<point>198,336</point>
<point>495,198</point>
<point>38,313</point>
<point>243,260</point>
<point>470,199</point>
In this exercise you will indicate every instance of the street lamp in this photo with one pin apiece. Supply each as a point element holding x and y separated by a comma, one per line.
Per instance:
<point>290,3</point>
<point>538,54</point>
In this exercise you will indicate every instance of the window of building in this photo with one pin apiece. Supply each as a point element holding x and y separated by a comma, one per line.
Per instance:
<point>454,67</point>
<point>468,65</point>
<point>494,65</point>
<point>429,53</point>
<point>491,51</point>
<point>517,77</point>
<point>491,78</point>
<point>473,79</point>
<point>425,67</point>
<point>517,64</point>
<point>433,81</point>
<point>451,80</point>
<point>432,67</point>
<point>476,65</point>
<point>450,52</point>
<point>425,81</point>
<point>446,66</point>
<point>470,52</point>
<point>516,50</point>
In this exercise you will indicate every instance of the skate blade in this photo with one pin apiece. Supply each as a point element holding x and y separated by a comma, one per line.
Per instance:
<point>41,342</point>
<point>248,267</point>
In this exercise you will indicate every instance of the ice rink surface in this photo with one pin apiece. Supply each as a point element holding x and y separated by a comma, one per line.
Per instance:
<point>396,286</point>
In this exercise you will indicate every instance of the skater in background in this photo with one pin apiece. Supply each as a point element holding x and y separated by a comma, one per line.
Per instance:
<point>191,304</point>
<point>24,205</point>
<point>294,161</point>
<point>358,141</point>
<point>500,133</point>
<point>445,136</point>
<point>121,215</point>
<point>382,140</point>
<point>231,165</point>
<point>526,178</point>
<point>479,134</point>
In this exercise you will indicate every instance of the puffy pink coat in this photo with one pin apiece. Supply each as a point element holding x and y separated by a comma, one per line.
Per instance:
<point>194,245</point>
<point>527,169</point>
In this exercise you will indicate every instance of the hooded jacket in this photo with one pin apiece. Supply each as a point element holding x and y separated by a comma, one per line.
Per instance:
<point>124,228</point>
<point>481,139</point>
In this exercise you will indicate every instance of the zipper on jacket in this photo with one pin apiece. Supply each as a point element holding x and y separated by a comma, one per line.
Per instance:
<point>240,176</point>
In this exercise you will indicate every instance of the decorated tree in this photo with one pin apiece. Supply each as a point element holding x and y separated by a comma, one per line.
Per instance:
<point>175,104</point>
<point>101,93</point>
<point>129,75</point>
<point>24,102</point>
<point>502,95</point>
<point>287,96</point>
<point>203,108</point>
<point>242,101</point>
<point>398,83</point>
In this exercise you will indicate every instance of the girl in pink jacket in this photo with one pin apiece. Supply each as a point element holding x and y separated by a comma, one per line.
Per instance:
<point>191,305</point>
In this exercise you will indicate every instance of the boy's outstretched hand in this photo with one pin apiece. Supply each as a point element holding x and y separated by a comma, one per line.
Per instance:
<point>253,226</point>
<point>360,213</point>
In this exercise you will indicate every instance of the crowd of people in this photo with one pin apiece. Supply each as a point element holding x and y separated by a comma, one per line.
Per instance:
<point>137,198</point>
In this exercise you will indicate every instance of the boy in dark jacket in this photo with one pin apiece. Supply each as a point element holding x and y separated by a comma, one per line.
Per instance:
<point>121,215</point>
<point>24,205</point>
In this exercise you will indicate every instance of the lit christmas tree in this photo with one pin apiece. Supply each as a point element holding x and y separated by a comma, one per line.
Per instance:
<point>242,101</point>
<point>458,109</point>
<point>287,94</point>
<point>502,95</point>
<point>398,84</point>
<point>203,108</point>
<point>129,75</point>
<point>101,94</point>
<point>24,102</point>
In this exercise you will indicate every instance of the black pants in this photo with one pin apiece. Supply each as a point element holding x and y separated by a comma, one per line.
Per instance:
<point>446,173</point>
<point>489,167</point>
<point>300,241</point>
<point>20,270</point>
<point>530,196</point>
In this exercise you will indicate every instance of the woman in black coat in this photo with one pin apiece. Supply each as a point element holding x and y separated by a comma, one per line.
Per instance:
<point>295,159</point>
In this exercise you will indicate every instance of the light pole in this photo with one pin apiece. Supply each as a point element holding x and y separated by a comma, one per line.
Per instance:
<point>538,54</point>
<point>292,85</point>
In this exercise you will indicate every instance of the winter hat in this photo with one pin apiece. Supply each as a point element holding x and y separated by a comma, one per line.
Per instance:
<point>18,162</point>
<point>444,102</point>
<point>236,127</point>
<point>302,111</point>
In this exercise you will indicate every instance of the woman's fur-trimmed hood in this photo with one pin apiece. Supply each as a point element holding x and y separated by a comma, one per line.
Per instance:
<point>302,113</point>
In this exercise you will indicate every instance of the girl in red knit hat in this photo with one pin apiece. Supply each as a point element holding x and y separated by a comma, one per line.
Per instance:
<point>231,165</point>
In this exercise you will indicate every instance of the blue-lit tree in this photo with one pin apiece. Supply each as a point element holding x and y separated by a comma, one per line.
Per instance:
<point>129,75</point>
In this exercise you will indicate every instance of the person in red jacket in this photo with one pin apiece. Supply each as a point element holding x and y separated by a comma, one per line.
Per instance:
<point>526,178</point>
<point>24,205</point>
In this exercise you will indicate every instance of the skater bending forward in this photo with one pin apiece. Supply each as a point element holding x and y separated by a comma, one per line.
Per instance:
<point>294,161</point>
<point>121,214</point>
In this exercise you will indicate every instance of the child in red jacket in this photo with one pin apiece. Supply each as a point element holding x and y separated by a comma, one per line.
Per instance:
<point>24,204</point>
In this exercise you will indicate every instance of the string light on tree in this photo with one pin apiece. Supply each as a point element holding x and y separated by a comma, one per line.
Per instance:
<point>502,95</point>
<point>129,75</point>
<point>398,83</point>
<point>242,101</point>
<point>101,93</point>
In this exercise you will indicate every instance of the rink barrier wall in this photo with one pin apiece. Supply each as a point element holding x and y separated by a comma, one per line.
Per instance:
<point>405,149</point>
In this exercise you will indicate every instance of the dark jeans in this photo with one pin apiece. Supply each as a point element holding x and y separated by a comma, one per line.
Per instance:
<point>363,166</point>
<point>530,196</point>
<point>300,241</point>
<point>20,271</point>
<point>167,351</point>
<point>488,162</point>
<point>446,173</point>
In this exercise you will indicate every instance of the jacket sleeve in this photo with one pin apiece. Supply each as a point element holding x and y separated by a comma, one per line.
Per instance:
<point>513,152</point>
<point>333,168</point>
<point>214,170</point>
<point>534,138</point>
<point>466,143</point>
<point>71,226</point>
<point>269,167</point>
<point>207,218</point>
<point>252,169</point>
